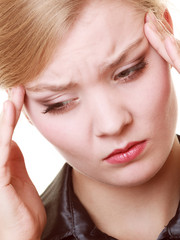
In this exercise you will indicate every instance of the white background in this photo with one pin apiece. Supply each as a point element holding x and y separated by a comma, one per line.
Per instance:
<point>42,160</point>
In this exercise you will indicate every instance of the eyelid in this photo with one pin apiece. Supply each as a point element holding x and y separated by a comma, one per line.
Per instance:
<point>128,66</point>
<point>67,105</point>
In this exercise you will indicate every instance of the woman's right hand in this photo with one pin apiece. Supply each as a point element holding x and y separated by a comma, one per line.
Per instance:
<point>160,35</point>
<point>22,215</point>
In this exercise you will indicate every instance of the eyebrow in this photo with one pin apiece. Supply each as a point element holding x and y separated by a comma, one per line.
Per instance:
<point>123,55</point>
<point>117,61</point>
<point>52,88</point>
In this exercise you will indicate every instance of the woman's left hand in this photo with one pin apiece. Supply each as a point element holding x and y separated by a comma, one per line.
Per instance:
<point>160,36</point>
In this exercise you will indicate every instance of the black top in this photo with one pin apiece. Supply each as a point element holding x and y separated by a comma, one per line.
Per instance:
<point>67,219</point>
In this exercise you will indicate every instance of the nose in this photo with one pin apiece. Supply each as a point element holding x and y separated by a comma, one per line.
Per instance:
<point>111,116</point>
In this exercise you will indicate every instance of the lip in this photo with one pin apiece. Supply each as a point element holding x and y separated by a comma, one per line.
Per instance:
<point>127,154</point>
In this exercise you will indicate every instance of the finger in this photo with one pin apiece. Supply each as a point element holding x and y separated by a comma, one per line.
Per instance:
<point>162,26</point>
<point>173,50</point>
<point>6,130</point>
<point>17,164</point>
<point>8,120</point>
<point>165,44</point>
<point>161,38</point>
<point>167,21</point>
<point>156,42</point>
<point>7,123</point>
<point>17,97</point>
<point>156,34</point>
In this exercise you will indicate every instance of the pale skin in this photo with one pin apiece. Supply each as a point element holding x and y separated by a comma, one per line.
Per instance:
<point>22,214</point>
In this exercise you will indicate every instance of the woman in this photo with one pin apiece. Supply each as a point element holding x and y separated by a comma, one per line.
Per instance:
<point>101,93</point>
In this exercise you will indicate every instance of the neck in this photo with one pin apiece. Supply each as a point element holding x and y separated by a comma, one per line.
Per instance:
<point>132,211</point>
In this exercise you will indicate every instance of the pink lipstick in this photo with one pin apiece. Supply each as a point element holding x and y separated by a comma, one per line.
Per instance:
<point>127,154</point>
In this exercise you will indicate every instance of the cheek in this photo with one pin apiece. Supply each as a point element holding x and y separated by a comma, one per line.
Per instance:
<point>155,96</point>
<point>48,125</point>
<point>65,132</point>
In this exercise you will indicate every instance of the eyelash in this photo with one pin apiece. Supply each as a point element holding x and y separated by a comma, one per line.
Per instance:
<point>61,107</point>
<point>131,73</point>
<point>126,75</point>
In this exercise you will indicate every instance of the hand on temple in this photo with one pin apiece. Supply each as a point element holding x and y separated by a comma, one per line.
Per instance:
<point>160,35</point>
<point>22,215</point>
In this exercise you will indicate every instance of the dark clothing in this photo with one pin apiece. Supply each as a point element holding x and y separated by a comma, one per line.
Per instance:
<point>67,219</point>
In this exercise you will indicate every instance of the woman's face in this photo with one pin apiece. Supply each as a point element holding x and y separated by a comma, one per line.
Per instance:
<point>107,89</point>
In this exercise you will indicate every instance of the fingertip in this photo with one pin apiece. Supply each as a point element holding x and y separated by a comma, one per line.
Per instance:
<point>17,97</point>
<point>19,90</point>
<point>150,17</point>
<point>146,17</point>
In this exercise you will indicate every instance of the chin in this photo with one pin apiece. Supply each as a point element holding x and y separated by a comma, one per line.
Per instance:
<point>139,177</point>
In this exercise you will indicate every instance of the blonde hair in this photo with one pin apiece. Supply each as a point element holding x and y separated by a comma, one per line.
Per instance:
<point>31,29</point>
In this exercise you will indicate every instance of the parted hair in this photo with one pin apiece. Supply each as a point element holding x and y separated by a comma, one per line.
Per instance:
<point>31,29</point>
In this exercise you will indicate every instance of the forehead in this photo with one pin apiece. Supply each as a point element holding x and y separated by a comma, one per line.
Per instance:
<point>108,21</point>
<point>103,28</point>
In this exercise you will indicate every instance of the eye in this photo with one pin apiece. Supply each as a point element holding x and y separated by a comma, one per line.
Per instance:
<point>61,107</point>
<point>131,73</point>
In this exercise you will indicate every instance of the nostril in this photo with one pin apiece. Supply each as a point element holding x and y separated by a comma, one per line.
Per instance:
<point>113,125</point>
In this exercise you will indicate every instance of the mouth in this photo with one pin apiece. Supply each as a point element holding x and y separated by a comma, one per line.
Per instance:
<point>127,154</point>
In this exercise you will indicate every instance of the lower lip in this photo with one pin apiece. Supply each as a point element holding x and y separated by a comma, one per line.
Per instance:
<point>128,156</point>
